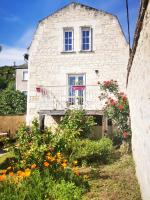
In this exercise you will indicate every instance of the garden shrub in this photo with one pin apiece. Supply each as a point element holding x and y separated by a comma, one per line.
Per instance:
<point>12,102</point>
<point>76,120</point>
<point>89,150</point>
<point>39,187</point>
<point>116,107</point>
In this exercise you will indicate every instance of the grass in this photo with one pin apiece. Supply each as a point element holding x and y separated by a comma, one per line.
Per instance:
<point>116,181</point>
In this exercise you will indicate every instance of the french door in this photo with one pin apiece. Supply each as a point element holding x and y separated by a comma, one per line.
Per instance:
<point>76,89</point>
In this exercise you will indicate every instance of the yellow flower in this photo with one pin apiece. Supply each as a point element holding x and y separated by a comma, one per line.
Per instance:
<point>11,173</point>
<point>75,170</point>
<point>46,164</point>
<point>33,166</point>
<point>53,159</point>
<point>58,155</point>
<point>75,162</point>
<point>48,154</point>
<point>27,172</point>
<point>65,161</point>
<point>3,177</point>
<point>64,165</point>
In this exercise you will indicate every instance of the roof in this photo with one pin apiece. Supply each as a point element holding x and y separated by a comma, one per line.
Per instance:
<point>76,4</point>
<point>139,26</point>
<point>24,66</point>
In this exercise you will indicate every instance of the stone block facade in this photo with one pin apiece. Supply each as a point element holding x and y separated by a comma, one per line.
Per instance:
<point>49,65</point>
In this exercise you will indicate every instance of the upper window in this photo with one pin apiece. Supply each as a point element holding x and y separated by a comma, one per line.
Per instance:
<point>68,40</point>
<point>86,39</point>
<point>25,76</point>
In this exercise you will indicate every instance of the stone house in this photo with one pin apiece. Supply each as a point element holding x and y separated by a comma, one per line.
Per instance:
<point>71,51</point>
<point>22,78</point>
<point>138,90</point>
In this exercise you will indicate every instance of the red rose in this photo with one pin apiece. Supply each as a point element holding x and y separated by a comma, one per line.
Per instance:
<point>120,107</point>
<point>124,98</point>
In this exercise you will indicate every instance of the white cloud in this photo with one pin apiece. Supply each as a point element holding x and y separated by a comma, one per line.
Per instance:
<point>11,54</point>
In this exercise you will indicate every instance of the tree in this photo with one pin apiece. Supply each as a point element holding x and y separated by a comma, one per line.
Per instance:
<point>12,102</point>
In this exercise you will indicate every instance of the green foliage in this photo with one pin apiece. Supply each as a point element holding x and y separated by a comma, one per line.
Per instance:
<point>12,102</point>
<point>76,120</point>
<point>39,187</point>
<point>7,75</point>
<point>100,150</point>
<point>31,145</point>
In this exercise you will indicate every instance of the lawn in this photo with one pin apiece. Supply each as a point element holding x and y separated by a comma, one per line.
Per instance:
<point>116,181</point>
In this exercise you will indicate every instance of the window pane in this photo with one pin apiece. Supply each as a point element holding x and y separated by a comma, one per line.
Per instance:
<point>87,46</point>
<point>70,41</point>
<point>72,80</point>
<point>25,76</point>
<point>83,33</point>
<point>70,34</point>
<point>87,40</point>
<point>87,33</point>
<point>66,47</point>
<point>70,47</point>
<point>66,34</point>
<point>80,80</point>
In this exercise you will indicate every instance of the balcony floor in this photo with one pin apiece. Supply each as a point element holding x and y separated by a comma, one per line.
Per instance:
<point>62,112</point>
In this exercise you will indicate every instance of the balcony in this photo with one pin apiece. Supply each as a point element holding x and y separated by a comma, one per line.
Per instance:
<point>56,99</point>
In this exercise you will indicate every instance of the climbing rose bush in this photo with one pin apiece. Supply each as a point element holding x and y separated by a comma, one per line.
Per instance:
<point>116,107</point>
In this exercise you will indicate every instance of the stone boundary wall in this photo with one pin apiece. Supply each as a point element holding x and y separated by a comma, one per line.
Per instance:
<point>11,123</point>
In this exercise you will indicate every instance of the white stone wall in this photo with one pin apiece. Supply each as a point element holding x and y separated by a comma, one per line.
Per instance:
<point>48,66</point>
<point>139,99</point>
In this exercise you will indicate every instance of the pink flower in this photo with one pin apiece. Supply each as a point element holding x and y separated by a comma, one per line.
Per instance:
<point>125,135</point>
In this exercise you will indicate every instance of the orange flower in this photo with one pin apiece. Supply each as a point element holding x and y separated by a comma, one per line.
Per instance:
<point>46,164</point>
<point>48,157</point>
<point>3,177</point>
<point>11,173</point>
<point>19,173</point>
<point>3,171</point>
<point>64,165</point>
<point>33,166</point>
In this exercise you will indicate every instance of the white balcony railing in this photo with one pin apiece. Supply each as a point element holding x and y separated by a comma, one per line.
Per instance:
<point>58,98</point>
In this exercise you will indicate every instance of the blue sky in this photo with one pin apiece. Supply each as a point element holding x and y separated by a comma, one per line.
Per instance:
<point>19,18</point>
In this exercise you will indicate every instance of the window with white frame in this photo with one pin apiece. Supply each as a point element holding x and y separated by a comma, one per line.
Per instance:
<point>68,39</point>
<point>76,89</point>
<point>25,75</point>
<point>86,39</point>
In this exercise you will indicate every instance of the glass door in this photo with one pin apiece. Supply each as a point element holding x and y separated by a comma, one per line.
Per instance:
<point>76,89</point>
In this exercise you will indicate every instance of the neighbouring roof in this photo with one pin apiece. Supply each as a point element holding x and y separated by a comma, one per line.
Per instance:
<point>139,26</point>
<point>24,66</point>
